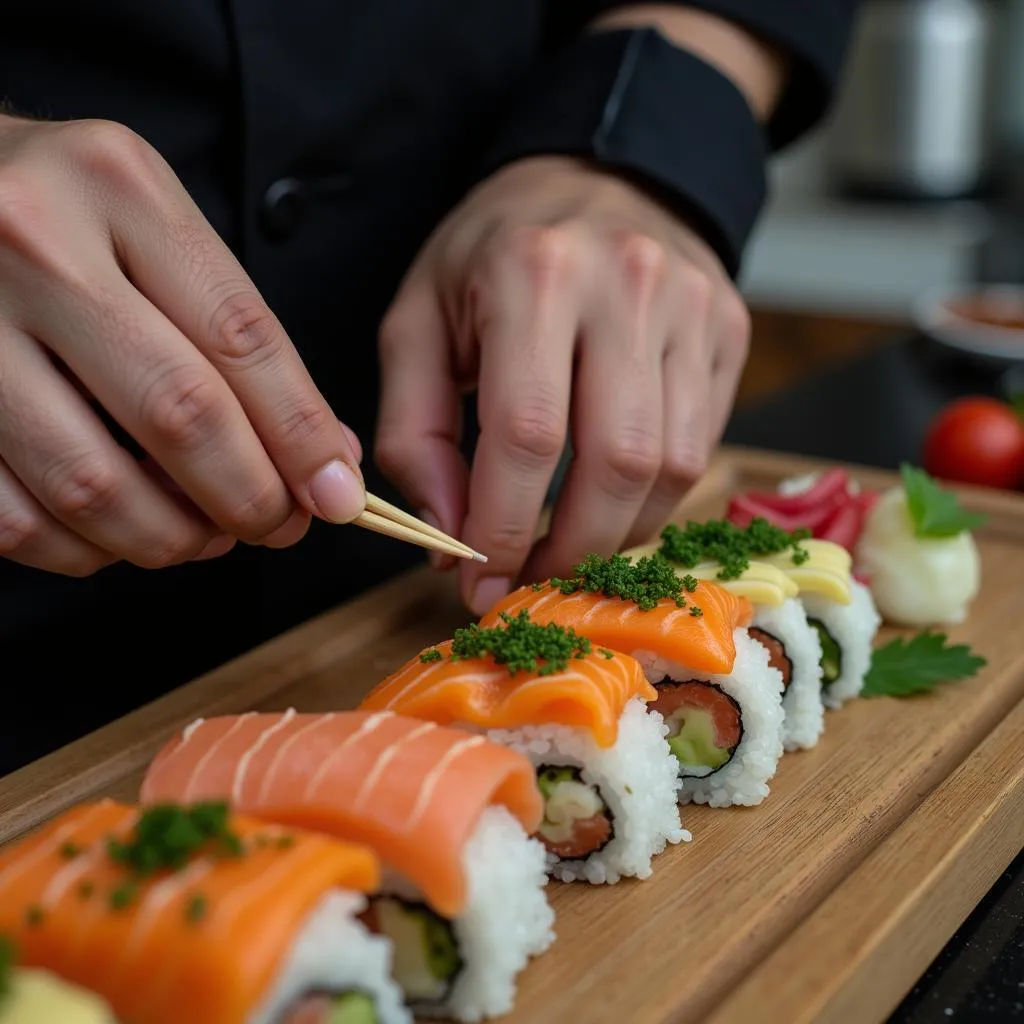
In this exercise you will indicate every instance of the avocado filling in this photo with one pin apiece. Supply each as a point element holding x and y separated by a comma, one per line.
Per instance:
<point>577,821</point>
<point>831,654</point>
<point>341,1008</point>
<point>426,952</point>
<point>705,725</point>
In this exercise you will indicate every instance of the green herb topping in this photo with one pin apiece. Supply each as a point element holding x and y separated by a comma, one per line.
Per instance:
<point>432,654</point>
<point>124,895</point>
<point>70,850</point>
<point>8,958</point>
<point>934,512</point>
<point>195,909</point>
<point>733,547</point>
<point>646,582</point>
<point>167,836</point>
<point>905,667</point>
<point>521,645</point>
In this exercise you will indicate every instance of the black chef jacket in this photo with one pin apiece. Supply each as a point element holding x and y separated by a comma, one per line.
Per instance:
<point>323,139</point>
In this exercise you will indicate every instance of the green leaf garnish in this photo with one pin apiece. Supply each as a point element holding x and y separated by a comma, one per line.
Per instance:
<point>429,655</point>
<point>8,958</point>
<point>522,645</point>
<point>935,512</point>
<point>718,540</point>
<point>195,909</point>
<point>904,667</point>
<point>646,582</point>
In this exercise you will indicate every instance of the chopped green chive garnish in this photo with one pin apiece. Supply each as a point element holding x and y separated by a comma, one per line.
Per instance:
<point>646,582</point>
<point>733,547</point>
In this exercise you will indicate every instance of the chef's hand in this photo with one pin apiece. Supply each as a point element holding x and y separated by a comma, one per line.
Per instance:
<point>115,291</point>
<point>581,308</point>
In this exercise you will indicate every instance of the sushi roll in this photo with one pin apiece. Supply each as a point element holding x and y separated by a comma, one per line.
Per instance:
<point>449,814</point>
<point>187,914</point>
<point>717,693</point>
<point>847,633</point>
<point>771,568</point>
<point>579,714</point>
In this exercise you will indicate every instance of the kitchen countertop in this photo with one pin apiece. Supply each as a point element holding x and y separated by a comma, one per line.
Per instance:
<point>875,410</point>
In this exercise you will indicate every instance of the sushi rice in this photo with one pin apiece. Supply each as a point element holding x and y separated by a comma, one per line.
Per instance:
<point>506,921</point>
<point>637,780</point>
<point>756,688</point>
<point>852,628</point>
<point>335,953</point>
<point>802,705</point>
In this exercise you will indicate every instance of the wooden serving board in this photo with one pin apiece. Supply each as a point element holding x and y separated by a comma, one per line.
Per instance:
<point>825,903</point>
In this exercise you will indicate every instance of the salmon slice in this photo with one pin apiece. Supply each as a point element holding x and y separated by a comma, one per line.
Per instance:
<point>591,693</point>
<point>412,790</point>
<point>201,944</point>
<point>704,642</point>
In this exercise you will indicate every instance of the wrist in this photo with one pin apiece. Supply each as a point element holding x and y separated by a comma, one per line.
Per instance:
<point>632,103</point>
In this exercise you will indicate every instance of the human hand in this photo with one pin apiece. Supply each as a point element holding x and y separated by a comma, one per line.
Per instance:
<point>115,291</point>
<point>577,305</point>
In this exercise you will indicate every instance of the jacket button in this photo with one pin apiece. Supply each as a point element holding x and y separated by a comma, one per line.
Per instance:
<point>281,209</point>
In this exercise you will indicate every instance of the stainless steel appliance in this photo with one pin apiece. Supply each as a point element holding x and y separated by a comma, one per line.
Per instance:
<point>913,119</point>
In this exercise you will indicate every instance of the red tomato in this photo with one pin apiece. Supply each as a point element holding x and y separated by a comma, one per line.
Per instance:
<point>976,441</point>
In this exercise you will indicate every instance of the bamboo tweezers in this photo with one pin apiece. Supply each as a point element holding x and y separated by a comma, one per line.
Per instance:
<point>382,517</point>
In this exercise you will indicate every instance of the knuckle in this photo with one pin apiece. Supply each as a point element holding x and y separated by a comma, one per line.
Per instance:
<point>113,151</point>
<point>683,465</point>
<point>83,488</point>
<point>506,542</point>
<point>307,422</point>
<point>550,255</point>
<point>644,259</point>
<point>244,331</point>
<point>535,431</point>
<point>18,528</point>
<point>25,229</point>
<point>696,290</point>
<point>168,551</point>
<point>182,407</point>
<point>265,510</point>
<point>634,457</point>
<point>392,452</point>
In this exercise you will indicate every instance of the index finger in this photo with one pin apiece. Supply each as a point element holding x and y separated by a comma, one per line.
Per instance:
<point>177,260</point>
<point>527,332</point>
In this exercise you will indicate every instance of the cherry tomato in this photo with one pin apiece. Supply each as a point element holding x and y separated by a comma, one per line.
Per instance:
<point>976,441</point>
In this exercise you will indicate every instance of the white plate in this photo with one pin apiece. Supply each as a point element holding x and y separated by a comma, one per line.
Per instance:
<point>934,318</point>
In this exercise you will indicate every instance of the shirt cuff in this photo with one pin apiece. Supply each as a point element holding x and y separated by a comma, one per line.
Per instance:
<point>632,102</point>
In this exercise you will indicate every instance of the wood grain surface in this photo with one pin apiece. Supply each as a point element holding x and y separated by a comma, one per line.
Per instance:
<point>823,904</point>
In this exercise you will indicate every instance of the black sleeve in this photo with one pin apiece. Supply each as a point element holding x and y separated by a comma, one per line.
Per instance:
<point>636,104</point>
<point>814,34</point>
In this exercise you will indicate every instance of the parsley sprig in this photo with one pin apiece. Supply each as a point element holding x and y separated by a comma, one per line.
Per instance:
<point>934,512</point>
<point>917,665</point>
<point>718,540</point>
<point>646,582</point>
<point>520,645</point>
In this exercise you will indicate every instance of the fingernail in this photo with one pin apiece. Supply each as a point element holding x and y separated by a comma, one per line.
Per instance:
<point>217,547</point>
<point>489,591</point>
<point>337,493</point>
<point>438,559</point>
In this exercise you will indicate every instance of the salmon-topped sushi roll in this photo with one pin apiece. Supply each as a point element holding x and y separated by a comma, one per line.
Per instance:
<point>718,695</point>
<point>579,713</point>
<point>773,569</point>
<point>186,914</point>
<point>449,814</point>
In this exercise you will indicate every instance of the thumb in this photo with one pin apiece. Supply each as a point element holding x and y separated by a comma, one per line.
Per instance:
<point>420,421</point>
